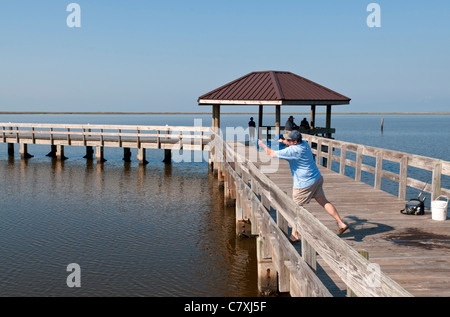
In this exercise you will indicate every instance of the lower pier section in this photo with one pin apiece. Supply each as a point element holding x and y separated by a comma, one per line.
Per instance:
<point>95,138</point>
<point>97,152</point>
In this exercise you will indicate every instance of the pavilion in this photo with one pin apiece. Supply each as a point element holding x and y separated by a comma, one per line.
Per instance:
<point>274,88</point>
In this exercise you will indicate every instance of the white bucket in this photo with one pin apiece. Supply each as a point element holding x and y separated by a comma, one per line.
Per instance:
<point>439,209</point>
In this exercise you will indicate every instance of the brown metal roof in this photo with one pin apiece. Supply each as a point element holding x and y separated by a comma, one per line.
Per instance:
<point>275,88</point>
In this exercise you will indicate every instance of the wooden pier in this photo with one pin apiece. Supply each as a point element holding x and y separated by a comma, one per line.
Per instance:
<point>385,253</point>
<point>98,137</point>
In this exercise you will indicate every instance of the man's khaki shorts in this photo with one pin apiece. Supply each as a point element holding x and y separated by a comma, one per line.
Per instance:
<point>303,196</point>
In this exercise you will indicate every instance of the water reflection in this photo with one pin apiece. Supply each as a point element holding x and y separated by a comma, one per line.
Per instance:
<point>154,230</point>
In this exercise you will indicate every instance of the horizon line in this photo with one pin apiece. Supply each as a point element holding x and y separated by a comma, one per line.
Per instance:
<point>207,113</point>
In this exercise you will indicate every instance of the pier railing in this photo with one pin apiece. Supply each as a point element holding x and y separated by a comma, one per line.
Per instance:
<point>351,155</point>
<point>270,132</point>
<point>100,136</point>
<point>103,135</point>
<point>279,263</point>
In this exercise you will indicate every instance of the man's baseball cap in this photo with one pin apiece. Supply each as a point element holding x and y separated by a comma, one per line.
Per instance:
<point>294,136</point>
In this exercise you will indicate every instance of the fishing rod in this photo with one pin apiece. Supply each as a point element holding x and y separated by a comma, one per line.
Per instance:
<point>421,192</point>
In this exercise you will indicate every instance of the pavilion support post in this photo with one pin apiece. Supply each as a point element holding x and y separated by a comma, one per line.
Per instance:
<point>260,121</point>
<point>313,116</point>
<point>213,118</point>
<point>216,119</point>
<point>216,129</point>
<point>260,116</point>
<point>277,119</point>
<point>328,124</point>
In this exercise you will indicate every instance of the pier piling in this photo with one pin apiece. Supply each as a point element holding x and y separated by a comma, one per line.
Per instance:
<point>99,154</point>
<point>52,152</point>
<point>24,151</point>
<point>60,153</point>
<point>142,156</point>
<point>10,149</point>
<point>167,156</point>
<point>127,154</point>
<point>89,153</point>
<point>267,274</point>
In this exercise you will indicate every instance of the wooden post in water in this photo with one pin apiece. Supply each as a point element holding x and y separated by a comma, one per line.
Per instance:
<point>24,151</point>
<point>142,156</point>
<point>220,168</point>
<point>220,176</point>
<point>267,275</point>
<point>243,227</point>
<point>10,149</point>
<point>239,210</point>
<point>167,156</point>
<point>226,184</point>
<point>127,154</point>
<point>229,190</point>
<point>52,152</point>
<point>60,152</point>
<point>89,153</point>
<point>99,154</point>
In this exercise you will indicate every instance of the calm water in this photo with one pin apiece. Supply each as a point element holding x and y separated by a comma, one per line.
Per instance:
<point>158,230</point>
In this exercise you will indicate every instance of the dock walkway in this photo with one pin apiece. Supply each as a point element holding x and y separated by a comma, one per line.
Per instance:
<point>405,255</point>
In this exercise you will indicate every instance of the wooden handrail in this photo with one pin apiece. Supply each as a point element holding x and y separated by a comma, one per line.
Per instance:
<point>18,130</point>
<point>436,166</point>
<point>103,126</point>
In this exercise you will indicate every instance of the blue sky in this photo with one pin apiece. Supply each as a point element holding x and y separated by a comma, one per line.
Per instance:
<point>162,55</point>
